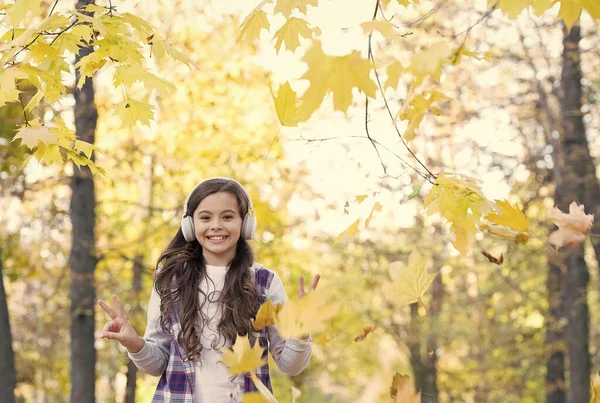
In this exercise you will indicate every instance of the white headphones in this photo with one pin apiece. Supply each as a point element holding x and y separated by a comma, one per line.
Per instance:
<point>248,222</point>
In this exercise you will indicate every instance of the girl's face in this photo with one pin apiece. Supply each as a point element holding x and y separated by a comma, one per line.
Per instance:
<point>217,224</point>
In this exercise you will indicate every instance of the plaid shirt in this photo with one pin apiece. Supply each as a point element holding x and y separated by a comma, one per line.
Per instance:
<point>176,384</point>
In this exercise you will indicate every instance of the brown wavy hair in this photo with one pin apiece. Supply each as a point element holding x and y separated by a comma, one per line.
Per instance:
<point>181,268</point>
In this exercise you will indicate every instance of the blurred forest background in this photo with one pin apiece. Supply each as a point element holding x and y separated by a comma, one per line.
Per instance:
<point>485,333</point>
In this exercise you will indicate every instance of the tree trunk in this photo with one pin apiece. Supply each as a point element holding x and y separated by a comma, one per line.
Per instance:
<point>414,346</point>
<point>430,391</point>
<point>8,376</point>
<point>575,175</point>
<point>555,334</point>
<point>83,259</point>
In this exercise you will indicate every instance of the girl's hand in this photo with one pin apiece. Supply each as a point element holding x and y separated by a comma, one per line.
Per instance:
<point>313,286</point>
<point>119,328</point>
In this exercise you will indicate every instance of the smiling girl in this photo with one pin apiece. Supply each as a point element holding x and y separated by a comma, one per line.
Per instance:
<point>207,290</point>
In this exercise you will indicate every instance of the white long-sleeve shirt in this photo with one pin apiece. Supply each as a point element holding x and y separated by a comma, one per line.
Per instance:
<point>213,383</point>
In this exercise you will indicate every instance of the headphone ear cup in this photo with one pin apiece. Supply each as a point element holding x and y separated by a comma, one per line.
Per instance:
<point>187,228</point>
<point>249,226</point>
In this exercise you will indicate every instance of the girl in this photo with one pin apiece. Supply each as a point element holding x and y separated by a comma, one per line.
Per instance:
<point>206,291</point>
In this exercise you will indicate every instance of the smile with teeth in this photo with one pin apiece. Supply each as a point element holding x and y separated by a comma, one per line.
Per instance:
<point>217,238</point>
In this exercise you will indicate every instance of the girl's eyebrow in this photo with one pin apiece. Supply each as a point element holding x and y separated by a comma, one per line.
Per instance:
<point>210,212</point>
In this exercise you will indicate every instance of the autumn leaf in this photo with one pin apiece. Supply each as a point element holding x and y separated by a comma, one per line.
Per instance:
<point>285,7</point>
<point>31,136</point>
<point>266,315</point>
<point>253,397</point>
<point>376,208</point>
<point>571,227</point>
<point>511,7</point>
<point>360,198</point>
<point>266,393</point>
<point>8,88</point>
<point>243,358</point>
<point>384,27</point>
<point>132,111</point>
<point>429,62</point>
<point>595,386</point>
<point>394,70</point>
<point>401,390</point>
<point>366,330</point>
<point>18,12</point>
<point>570,11</point>
<point>255,22</point>
<point>338,75</point>
<point>285,105</point>
<point>308,315</point>
<point>509,216</point>
<point>410,280</point>
<point>290,33</point>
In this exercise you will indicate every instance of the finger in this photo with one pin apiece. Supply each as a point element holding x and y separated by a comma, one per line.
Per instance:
<point>107,309</point>
<point>301,286</point>
<point>315,281</point>
<point>118,307</point>
<point>111,336</point>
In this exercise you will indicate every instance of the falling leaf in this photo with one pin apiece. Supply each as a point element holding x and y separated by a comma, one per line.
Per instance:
<point>348,232</point>
<point>492,259</point>
<point>376,208</point>
<point>571,227</point>
<point>243,358</point>
<point>410,280</point>
<point>366,330</point>
<point>311,314</point>
<point>401,390</point>
<point>253,397</point>
<point>266,315</point>
<point>360,198</point>
<point>266,393</point>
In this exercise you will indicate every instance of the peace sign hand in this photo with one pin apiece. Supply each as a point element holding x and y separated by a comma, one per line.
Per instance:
<point>313,286</point>
<point>119,327</point>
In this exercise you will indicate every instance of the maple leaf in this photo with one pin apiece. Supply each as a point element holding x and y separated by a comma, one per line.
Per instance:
<point>160,48</point>
<point>569,12</point>
<point>348,232</point>
<point>592,7</point>
<point>509,216</point>
<point>285,105</point>
<point>336,74</point>
<point>132,111</point>
<point>8,89</point>
<point>31,136</point>
<point>285,7</point>
<point>511,7</point>
<point>18,12</point>
<point>266,315</point>
<point>310,314</point>
<point>290,33</point>
<point>410,280</point>
<point>394,70</point>
<point>401,390</point>
<point>255,22</point>
<point>571,227</point>
<point>243,358</point>
<point>384,27</point>
<point>505,232</point>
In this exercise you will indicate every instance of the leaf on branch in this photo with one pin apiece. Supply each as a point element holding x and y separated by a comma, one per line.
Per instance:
<point>132,111</point>
<point>513,8</point>
<point>410,280</point>
<point>254,23</point>
<point>429,62</point>
<point>18,11</point>
<point>160,48</point>
<point>285,7</point>
<point>336,74</point>
<point>8,88</point>
<point>242,357</point>
<point>285,105</point>
<point>31,136</point>
<point>509,216</point>
<point>266,315</point>
<point>415,111</point>
<point>570,11</point>
<point>572,227</point>
<point>290,33</point>
<point>394,71</point>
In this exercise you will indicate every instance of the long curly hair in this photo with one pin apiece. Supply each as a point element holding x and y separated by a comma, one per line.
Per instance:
<point>181,268</point>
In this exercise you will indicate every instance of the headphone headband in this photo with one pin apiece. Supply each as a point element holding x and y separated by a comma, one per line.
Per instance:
<point>187,199</point>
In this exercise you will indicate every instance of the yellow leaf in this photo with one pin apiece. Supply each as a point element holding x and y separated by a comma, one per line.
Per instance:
<point>410,280</point>
<point>401,390</point>
<point>18,12</point>
<point>511,7</point>
<point>376,208</point>
<point>31,136</point>
<point>311,314</point>
<point>384,27</point>
<point>569,12</point>
<point>84,147</point>
<point>243,358</point>
<point>72,39</point>
<point>285,105</point>
<point>49,155</point>
<point>360,198</point>
<point>253,397</point>
<point>8,88</point>
<point>509,216</point>
<point>593,8</point>
<point>160,47</point>
<point>290,33</point>
<point>541,6</point>
<point>266,393</point>
<point>266,315</point>
<point>506,233</point>
<point>348,232</point>
<point>132,111</point>
<point>88,65</point>
<point>255,22</point>
<point>336,74</point>
<point>595,386</point>
<point>54,22</point>
<point>429,62</point>
<point>285,7</point>
<point>394,70</point>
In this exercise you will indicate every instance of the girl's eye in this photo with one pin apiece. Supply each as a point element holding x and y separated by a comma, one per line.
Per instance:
<point>204,218</point>
<point>228,217</point>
